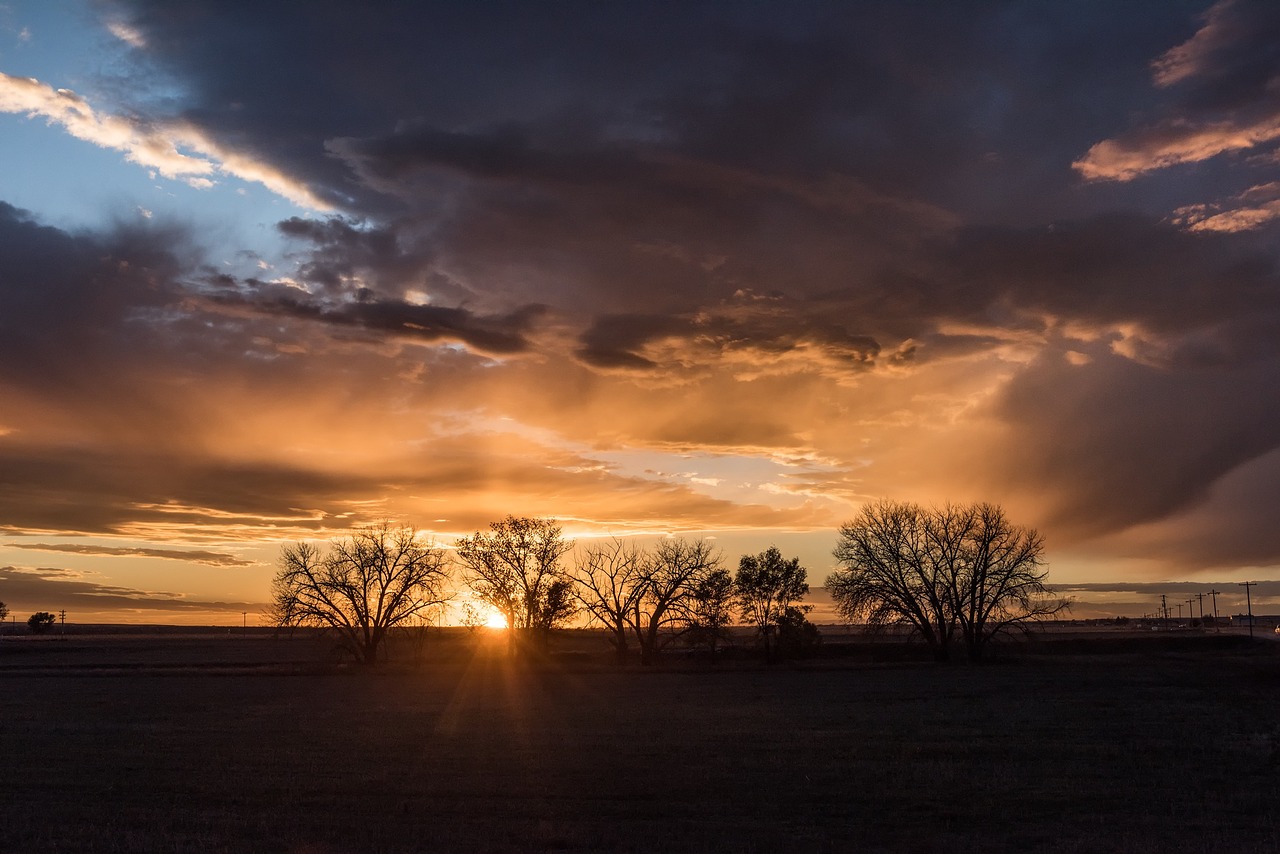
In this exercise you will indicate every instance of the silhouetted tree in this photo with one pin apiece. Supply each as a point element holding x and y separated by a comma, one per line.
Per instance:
<point>643,594</point>
<point>515,567</point>
<point>955,570</point>
<point>40,622</point>
<point>766,585</point>
<point>796,635</point>
<point>889,576</point>
<point>4,612</point>
<point>671,574</point>
<point>711,610</point>
<point>998,583</point>
<point>611,581</point>
<point>364,586</point>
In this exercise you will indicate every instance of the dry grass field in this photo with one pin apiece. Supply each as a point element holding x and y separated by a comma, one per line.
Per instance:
<point>225,743</point>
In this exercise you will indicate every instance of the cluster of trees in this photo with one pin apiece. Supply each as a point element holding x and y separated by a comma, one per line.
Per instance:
<point>955,574</point>
<point>680,589</point>
<point>38,623</point>
<point>381,577</point>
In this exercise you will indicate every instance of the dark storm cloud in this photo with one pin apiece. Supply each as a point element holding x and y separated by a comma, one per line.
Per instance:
<point>765,332</point>
<point>111,490</point>
<point>426,323</point>
<point>702,191</point>
<point>1133,443</point>
<point>563,136</point>
<point>1219,97</point>
<point>52,587</point>
<point>63,295</point>
<point>1108,269</point>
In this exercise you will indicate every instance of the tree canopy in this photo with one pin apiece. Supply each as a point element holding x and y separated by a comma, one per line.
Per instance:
<point>515,568</point>
<point>955,571</point>
<point>365,585</point>
<point>767,585</point>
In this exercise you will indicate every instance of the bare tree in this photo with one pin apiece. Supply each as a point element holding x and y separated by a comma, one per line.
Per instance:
<point>611,581</point>
<point>515,567</point>
<point>365,585</point>
<point>766,586</point>
<point>1000,585</point>
<point>888,575</point>
<point>955,570</point>
<point>672,573</point>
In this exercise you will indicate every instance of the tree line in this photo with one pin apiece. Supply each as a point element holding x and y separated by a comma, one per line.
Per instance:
<point>956,572</point>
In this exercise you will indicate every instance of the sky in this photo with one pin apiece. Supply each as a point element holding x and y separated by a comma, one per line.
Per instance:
<point>269,271</point>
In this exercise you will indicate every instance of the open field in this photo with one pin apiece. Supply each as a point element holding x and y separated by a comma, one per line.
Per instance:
<point>215,743</point>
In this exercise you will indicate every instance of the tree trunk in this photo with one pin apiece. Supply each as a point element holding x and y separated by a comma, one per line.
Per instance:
<point>620,646</point>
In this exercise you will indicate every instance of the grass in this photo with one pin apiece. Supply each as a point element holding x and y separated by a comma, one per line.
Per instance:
<point>1129,751</point>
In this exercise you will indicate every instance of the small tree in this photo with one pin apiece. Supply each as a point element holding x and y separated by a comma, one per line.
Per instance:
<point>515,567</point>
<point>40,622</point>
<point>711,610</point>
<point>4,612</point>
<point>367,584</point>
<point>766,585</point>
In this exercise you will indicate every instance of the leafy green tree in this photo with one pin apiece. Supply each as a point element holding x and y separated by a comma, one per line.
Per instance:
<point>40,622</point>
<point>515,567</point>
<point>766,585</point>
<point>364,586</point>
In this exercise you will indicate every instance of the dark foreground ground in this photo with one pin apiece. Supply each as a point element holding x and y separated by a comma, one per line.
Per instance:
<point>203,744</point>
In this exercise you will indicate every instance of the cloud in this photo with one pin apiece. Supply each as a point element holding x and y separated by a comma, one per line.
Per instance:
<point>1246,211</point>
<point>157,145</point>
<point>702,266</point>
<point>752,335</point>
<point>1172,143</point>
<point>1224,97</point>
<point>47,588</point>
<point>201,557</point>
<point>503,335</point>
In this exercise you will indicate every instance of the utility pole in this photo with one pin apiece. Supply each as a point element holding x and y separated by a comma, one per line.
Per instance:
<point>1178,605</point>
<point>244,623</point>
<point>1200,596</point>
<point>1191,611</point>
<point>1214,594</point>
<point>63,615</point>
<point>1164,611</point>
<point>1248,599</point>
